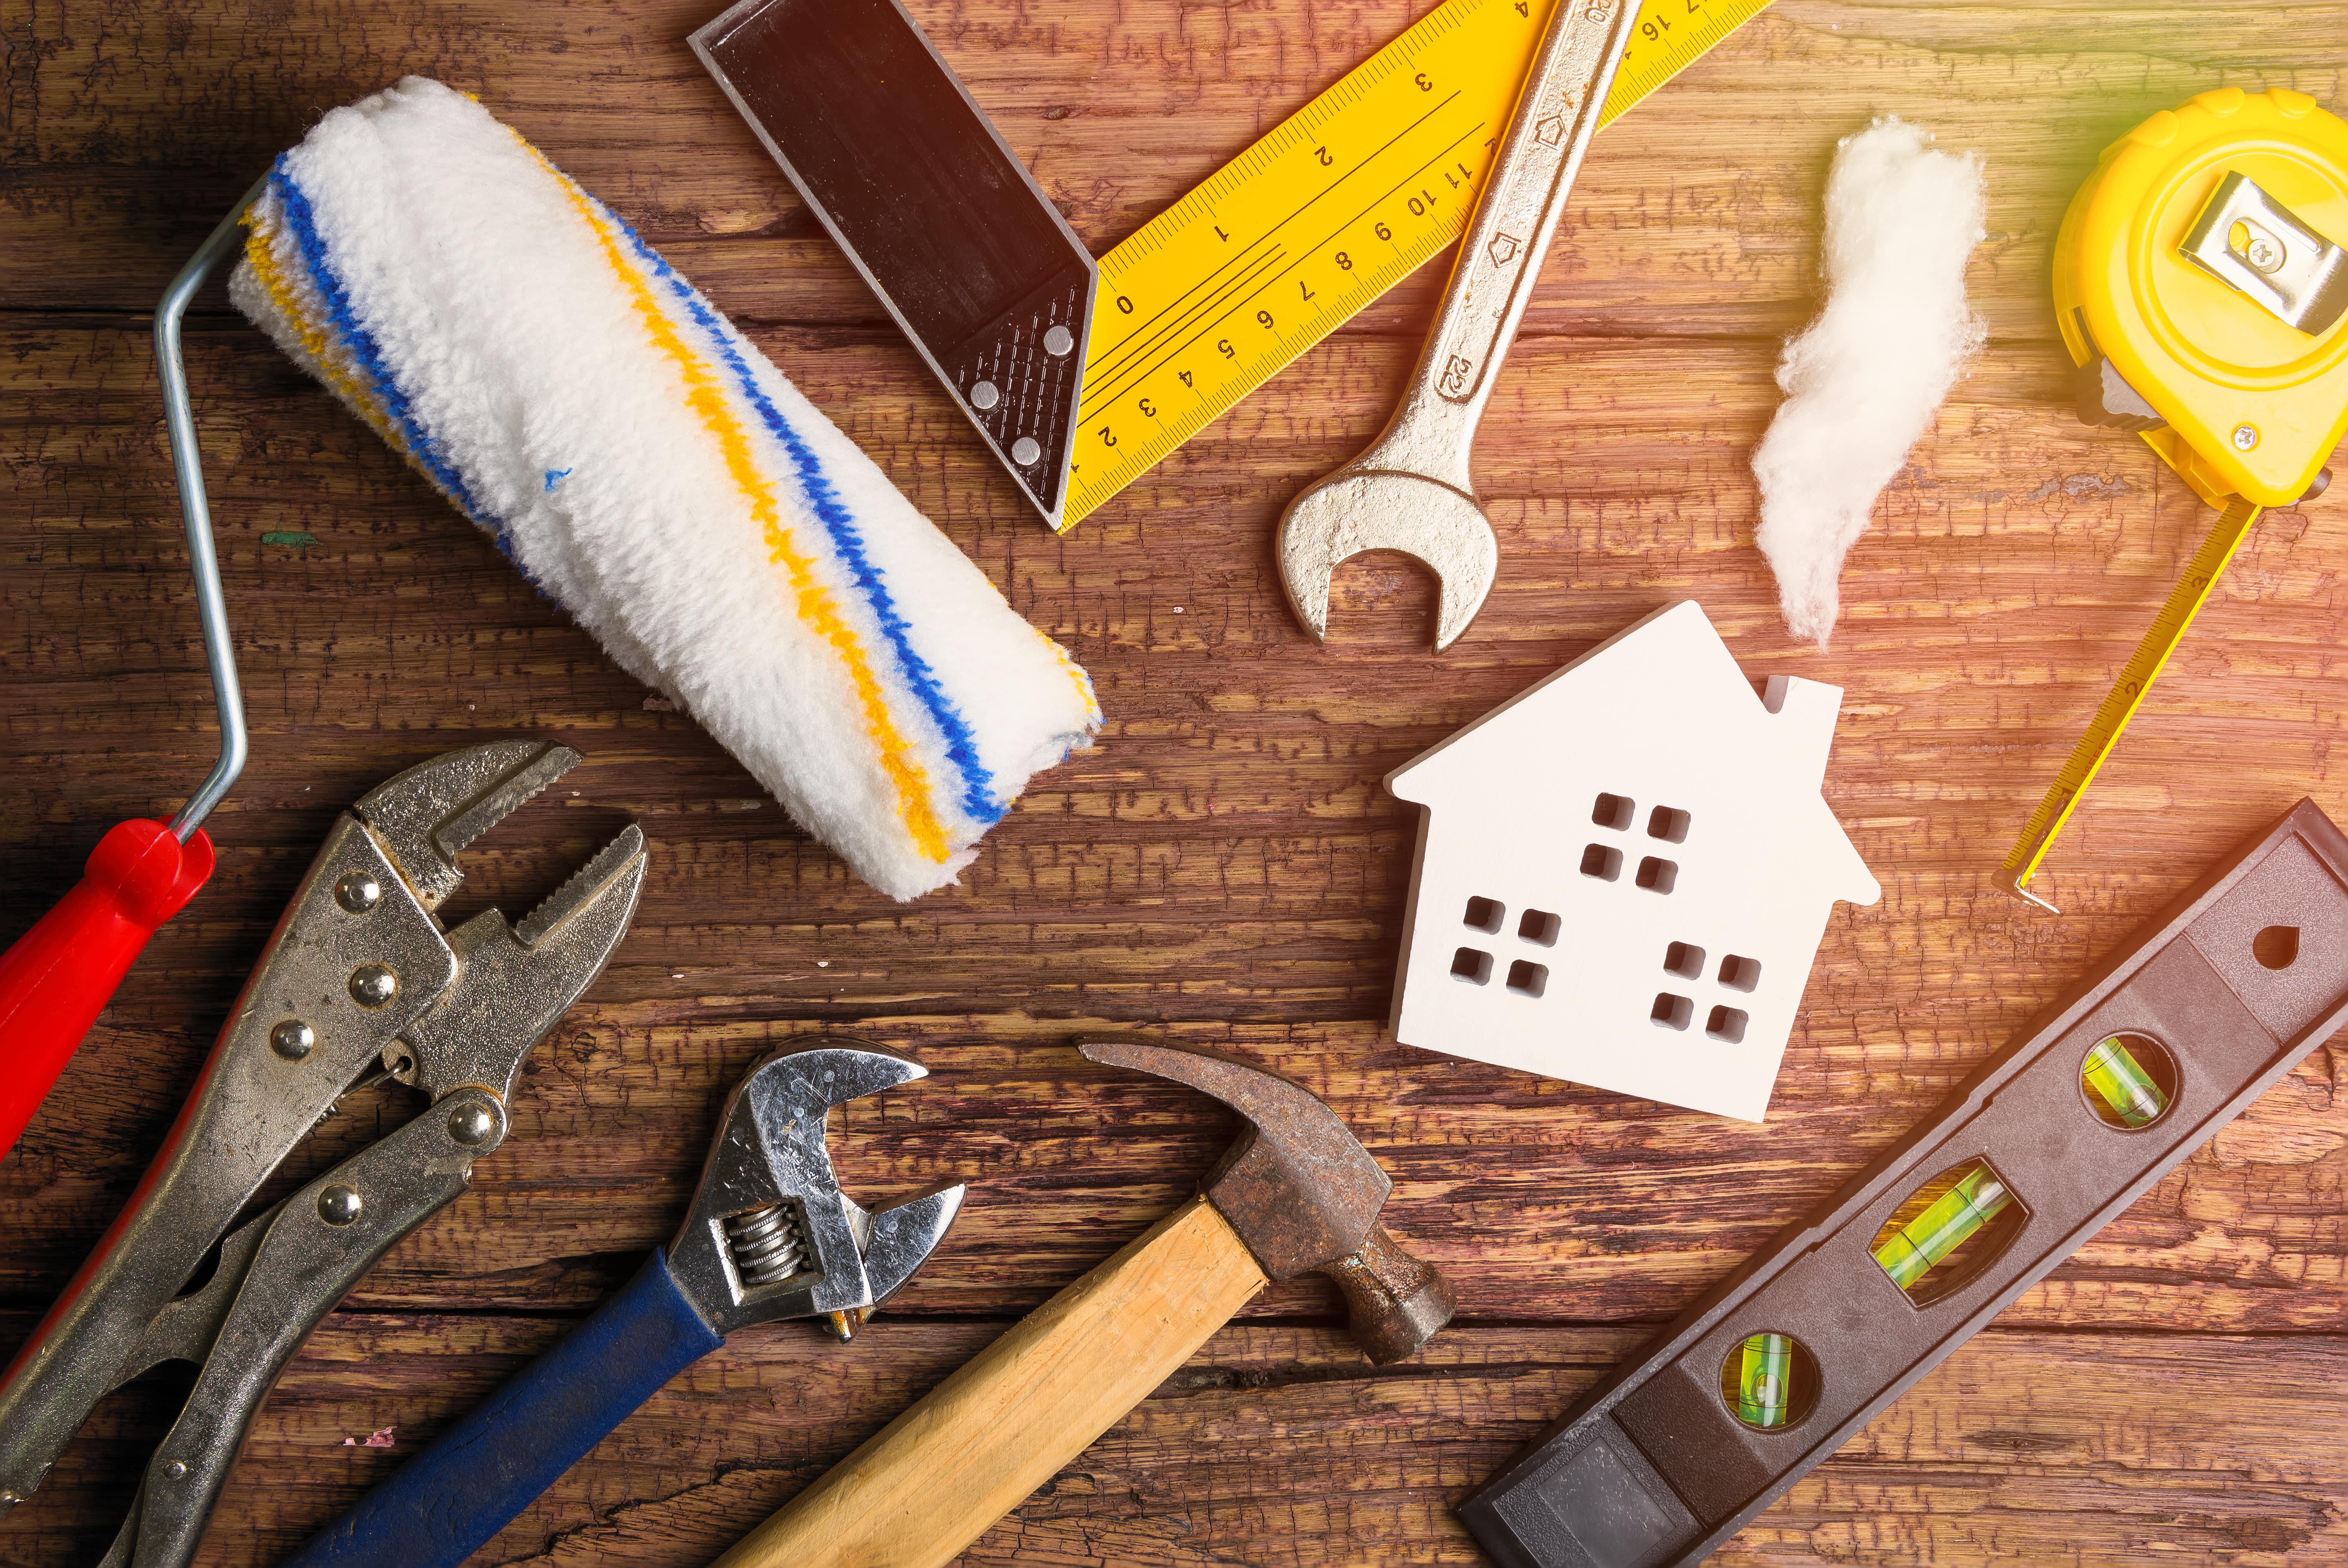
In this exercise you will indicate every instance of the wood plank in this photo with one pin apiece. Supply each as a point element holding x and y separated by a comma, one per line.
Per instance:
<point>1543,1201</point>
<point>1225,853</point>
<point>1224,863</point>
<point>137,130</point>
<point>1278,1445</point>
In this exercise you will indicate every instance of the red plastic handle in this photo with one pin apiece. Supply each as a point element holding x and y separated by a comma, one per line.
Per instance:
<point>55,981</point>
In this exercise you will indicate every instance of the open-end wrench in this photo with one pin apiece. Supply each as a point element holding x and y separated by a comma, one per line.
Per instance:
<point>1411,491</point>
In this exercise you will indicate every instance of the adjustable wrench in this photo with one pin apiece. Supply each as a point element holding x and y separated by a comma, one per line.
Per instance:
<point>1411,490</point>
<point>770,1235</point>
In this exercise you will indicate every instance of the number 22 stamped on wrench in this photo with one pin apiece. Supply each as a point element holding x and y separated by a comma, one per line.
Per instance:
<point>1411,490</point>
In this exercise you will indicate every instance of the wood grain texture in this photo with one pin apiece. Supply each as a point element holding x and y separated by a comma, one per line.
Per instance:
<point>1224,864</point>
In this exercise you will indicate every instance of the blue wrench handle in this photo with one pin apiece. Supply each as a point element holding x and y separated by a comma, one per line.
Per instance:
<point>444,1503</point>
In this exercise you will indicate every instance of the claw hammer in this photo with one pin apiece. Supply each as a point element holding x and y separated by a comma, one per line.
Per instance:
<point>1296,1194</point>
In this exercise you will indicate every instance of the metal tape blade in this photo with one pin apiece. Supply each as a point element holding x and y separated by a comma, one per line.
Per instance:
<point>2127,694</point>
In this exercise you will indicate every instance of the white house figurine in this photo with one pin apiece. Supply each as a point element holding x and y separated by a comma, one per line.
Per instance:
<point>1624,873</point>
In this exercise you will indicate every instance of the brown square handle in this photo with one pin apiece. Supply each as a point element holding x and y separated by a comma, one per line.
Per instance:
<point>933,1480</point>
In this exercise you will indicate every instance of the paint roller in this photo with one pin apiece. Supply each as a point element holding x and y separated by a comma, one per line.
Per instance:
<point>641,461</point>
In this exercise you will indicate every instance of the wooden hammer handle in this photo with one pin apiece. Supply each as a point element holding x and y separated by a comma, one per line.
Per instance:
<point>978,1445</point>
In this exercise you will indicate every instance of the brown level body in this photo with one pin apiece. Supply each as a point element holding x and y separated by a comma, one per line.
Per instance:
<point>1652,1467</point>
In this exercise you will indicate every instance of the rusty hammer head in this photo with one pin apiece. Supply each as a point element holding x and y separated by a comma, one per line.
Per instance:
<point>1303,1194</point>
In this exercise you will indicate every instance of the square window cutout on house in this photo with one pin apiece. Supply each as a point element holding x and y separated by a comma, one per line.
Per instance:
<point>1528,979</point>
<point>1668,823</point>
<point>1671,1012</point>
<point>1601,861</point>
<point>1740,974</point>
<point>1471,966</point>
<point>1684,960</point>
<point>1657,875</point>
<point>1540,926</point>
<point>1725,1023</point>
<point>1485,915</point>
<point>1613,812</point>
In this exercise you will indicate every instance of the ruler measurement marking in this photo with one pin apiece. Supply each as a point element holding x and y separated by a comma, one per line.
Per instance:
<point>1401,264</point>
<point>1246,374</point>
<point>1301,258</point>
<point>1243,287</point>
<point>1256,263</point>
<point>1398,136</point>
<point>1113,348</point>
<point>1395,56</point>
<point>1178,430</point>
<point>1415,172</point>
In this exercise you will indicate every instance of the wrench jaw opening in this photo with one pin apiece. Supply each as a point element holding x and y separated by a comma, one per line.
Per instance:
<point>770,1234</point>
<point>1359,508</point>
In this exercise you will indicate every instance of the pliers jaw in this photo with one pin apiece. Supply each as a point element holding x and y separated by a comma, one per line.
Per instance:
<point>425,816</point>
<point>770,1233</point>
<point>513,981</point>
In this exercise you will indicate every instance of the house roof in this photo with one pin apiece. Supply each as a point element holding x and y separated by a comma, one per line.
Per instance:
<point>1666,697</point>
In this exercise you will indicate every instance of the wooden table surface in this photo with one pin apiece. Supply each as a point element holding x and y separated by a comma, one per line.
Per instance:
<point>1224,865</point>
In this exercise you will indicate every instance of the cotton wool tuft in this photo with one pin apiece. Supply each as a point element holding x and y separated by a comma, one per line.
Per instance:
<point>1863,381</point>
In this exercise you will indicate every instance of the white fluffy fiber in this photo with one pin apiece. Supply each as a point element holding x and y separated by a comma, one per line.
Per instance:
<point>645,464</point>
<point>1864,380</point>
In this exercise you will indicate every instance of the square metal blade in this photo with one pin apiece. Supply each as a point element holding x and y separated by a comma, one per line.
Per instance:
<point>913,181</point>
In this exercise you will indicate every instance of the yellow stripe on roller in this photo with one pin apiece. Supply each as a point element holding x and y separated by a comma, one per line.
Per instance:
<point>261,256</point>
<point>705,395</point>
<point>1076,675</point>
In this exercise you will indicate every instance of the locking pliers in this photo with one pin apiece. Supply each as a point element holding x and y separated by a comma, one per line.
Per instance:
<point>359,980</point>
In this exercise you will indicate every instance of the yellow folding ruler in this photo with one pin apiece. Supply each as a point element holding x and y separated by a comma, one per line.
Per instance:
<point>1343,200</point>
<point>2201,285</point>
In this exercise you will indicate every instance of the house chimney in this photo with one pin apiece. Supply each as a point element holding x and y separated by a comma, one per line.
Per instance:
<point>1807,711</point>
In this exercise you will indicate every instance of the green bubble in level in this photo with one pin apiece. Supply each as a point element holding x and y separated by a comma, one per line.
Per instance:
<point>2119,1080</point>
<point>1765,1380</point>
<point>1977,1197</point>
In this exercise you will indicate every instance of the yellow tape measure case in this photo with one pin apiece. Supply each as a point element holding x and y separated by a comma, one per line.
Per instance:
<point>2253,403</point>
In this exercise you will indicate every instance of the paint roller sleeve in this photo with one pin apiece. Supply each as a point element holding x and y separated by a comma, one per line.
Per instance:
<point>643,463</point>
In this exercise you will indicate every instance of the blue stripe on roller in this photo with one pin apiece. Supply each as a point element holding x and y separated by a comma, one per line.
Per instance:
<point>363,348</point>
<point>978,797</point>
